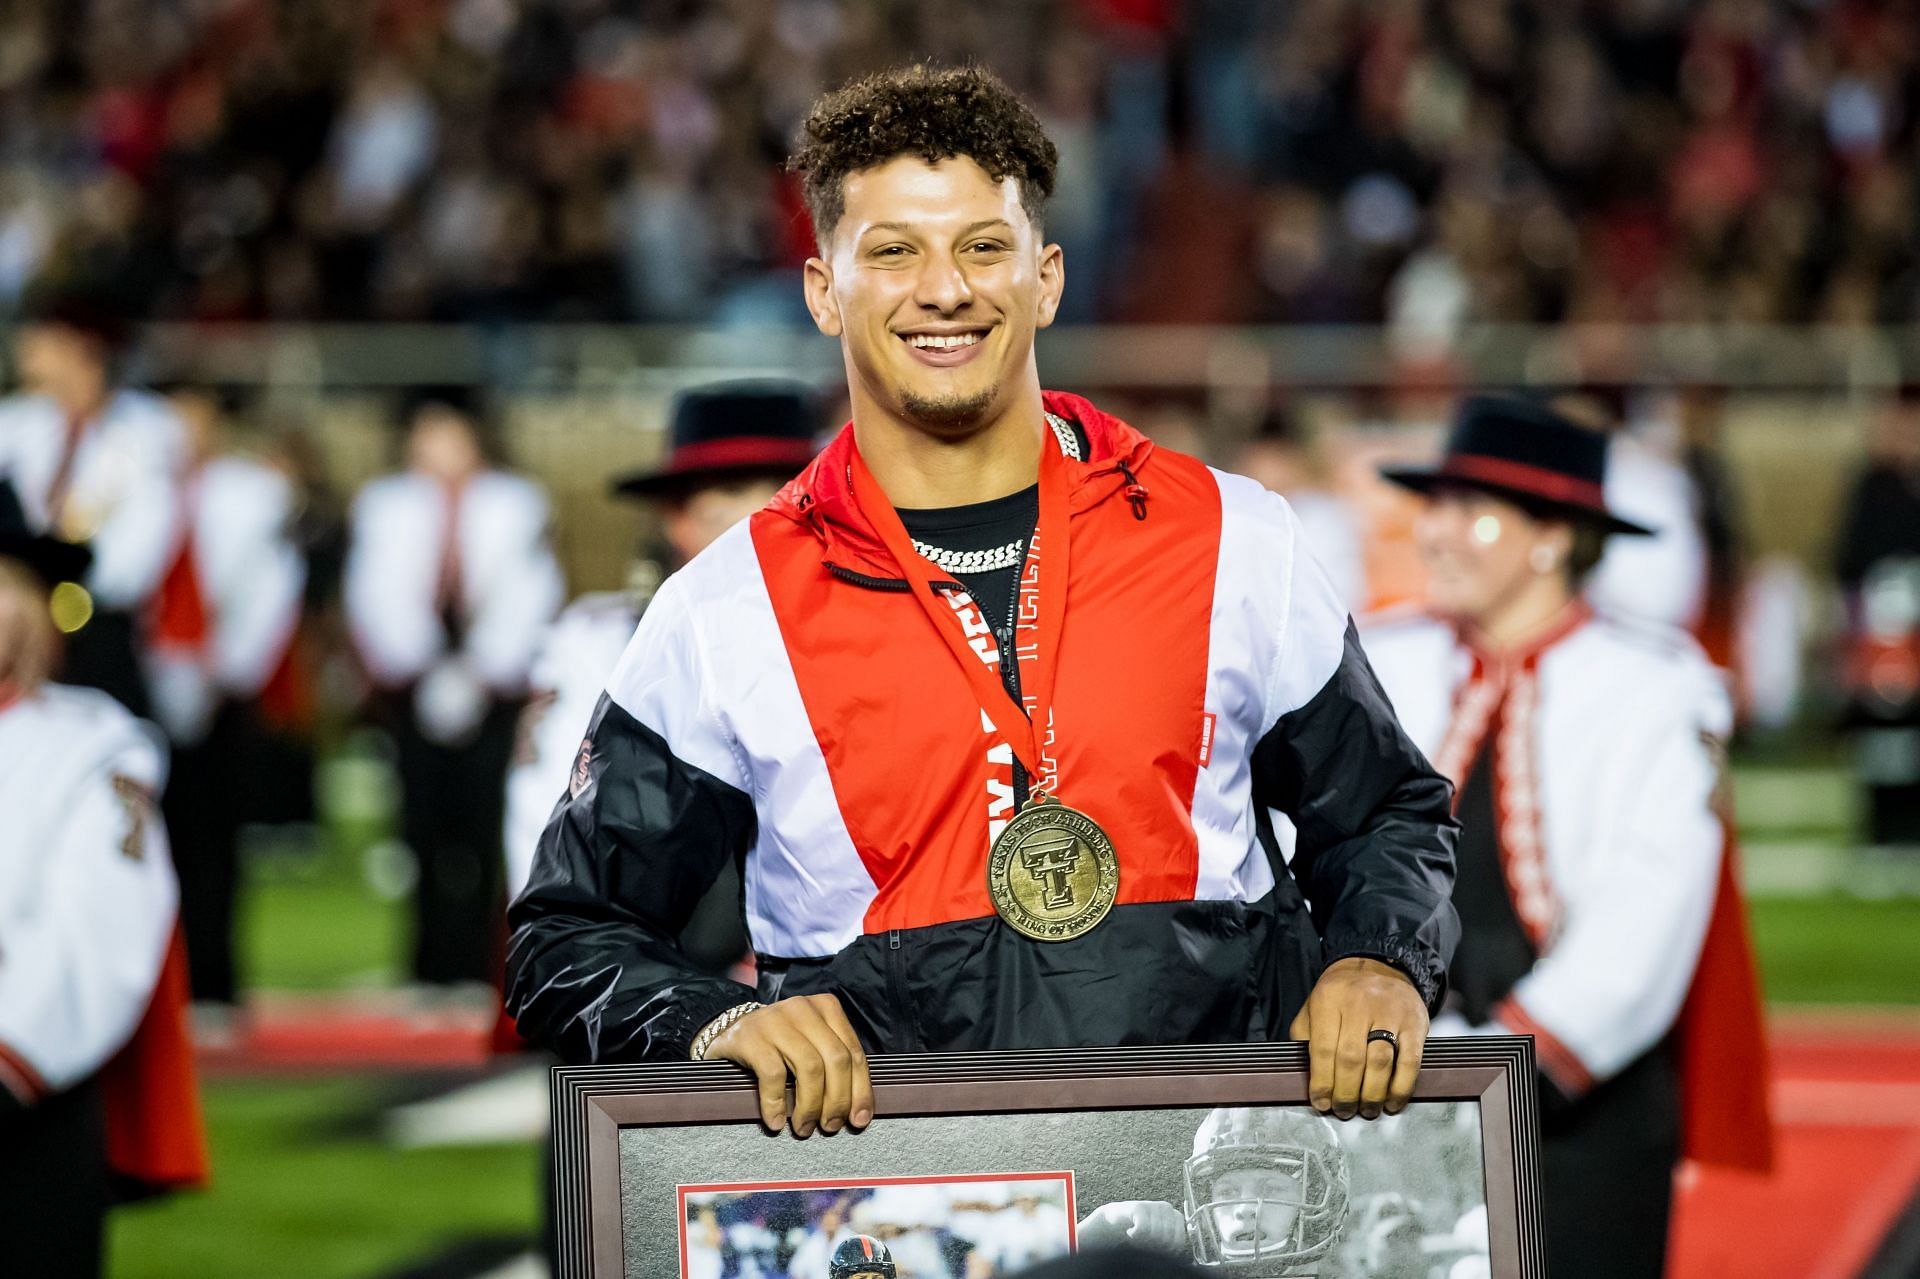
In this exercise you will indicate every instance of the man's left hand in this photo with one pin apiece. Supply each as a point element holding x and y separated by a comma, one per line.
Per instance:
<point>1348,1074</point>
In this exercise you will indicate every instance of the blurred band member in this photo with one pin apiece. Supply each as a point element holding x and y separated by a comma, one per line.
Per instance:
<point>1661,576</point>
<point>88,961</point>
<point>95,462</point>
<point>1879,568</point>
<point>1585,752</point>
<point>732,446</point>
<point>232,605</point>
<point>450,583</point>
<point>1295,467</point>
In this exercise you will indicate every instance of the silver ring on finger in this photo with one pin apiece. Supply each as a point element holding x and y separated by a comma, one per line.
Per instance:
<point>1387,1037</point>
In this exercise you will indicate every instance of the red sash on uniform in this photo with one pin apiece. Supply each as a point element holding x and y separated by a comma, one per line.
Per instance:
<point>177,618</point>
<point>155,1136</point>
<point>1721,1039</point>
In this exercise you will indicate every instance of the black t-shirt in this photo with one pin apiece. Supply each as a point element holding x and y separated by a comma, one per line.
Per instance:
<point>984,546</point>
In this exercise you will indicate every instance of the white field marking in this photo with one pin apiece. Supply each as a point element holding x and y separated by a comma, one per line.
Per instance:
<point>506,1108</point>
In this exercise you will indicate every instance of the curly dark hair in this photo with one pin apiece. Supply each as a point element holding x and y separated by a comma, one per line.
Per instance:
<point>935,113</point>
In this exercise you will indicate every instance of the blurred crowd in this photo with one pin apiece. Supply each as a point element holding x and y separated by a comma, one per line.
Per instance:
<point>1421,164</point>
<point>933,1231</point>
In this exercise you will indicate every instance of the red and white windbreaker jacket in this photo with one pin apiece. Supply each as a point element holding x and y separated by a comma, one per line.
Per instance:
<point>786,702</point>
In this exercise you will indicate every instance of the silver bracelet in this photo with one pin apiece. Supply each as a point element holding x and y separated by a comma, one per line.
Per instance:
<point>717,1027</point>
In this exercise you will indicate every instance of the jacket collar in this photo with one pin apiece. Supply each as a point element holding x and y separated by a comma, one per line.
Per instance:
<point>821,497</point>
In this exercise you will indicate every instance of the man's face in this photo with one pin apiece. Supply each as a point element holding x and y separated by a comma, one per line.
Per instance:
<point>696,520</point>
<point>59,361</point>
<point>1254,1211</point>
<point>935,281</point>
<point>441,444</point>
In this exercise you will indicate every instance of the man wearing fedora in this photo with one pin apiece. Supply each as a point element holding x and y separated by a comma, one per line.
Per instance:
<point>1584,753</point>
<point>731,445</point>
<point>87,910</point>
<point>450,582</point>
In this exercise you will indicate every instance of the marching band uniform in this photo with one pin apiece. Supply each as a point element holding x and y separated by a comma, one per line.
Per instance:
<point>1661,579</point>
<point>575,658</point>
<point>1595,898</point>
<point>113,482</point>
<point>95,1074</point>
<point>447,594</point>
<point>231,605</point>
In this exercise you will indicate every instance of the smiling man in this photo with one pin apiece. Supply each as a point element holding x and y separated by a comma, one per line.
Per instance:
<point>992,703</point>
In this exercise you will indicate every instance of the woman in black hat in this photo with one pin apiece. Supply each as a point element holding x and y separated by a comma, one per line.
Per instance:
<point>1583,753</point>
<point>87,907</point>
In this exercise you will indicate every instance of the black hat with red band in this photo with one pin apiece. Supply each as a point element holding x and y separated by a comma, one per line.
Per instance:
<point>760,426</point>
<point>1523,451</point>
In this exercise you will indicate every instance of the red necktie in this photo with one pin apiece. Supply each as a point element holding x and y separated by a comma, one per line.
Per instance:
<point>449,594</point>
<point>63,470</point>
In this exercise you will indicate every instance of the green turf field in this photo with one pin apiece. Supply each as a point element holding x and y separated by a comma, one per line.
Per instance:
<point>304,1188</point>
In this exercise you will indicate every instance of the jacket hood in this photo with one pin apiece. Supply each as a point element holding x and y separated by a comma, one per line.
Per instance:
<point>821,497</point>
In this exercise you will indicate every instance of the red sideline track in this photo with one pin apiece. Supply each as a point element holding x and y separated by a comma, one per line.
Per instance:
<point>1847,1104</point>
<point>1846,1097</point>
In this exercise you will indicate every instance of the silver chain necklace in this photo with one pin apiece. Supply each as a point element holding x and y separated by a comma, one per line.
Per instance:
<point>987,561</point>
<point>995,558</point>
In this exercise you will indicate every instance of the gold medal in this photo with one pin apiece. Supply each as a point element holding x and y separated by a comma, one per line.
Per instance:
<point>1052,873</point>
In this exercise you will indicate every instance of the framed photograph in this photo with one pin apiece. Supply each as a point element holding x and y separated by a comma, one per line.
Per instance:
<point>978,1165</point>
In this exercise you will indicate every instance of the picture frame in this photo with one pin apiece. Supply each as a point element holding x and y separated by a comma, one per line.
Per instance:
<point>651,1159</point>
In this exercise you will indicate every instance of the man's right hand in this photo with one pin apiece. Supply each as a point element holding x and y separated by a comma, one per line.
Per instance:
<point>808,1037</point>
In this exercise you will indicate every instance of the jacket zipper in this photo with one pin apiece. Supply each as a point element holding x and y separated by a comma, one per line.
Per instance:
<point>897,984</point>
<point>897,585</point>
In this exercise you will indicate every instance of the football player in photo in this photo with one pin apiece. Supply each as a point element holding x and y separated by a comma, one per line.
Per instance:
<point>1265,1197</point>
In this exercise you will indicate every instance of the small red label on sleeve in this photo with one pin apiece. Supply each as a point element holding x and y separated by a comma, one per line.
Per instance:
<point>1206,738</point>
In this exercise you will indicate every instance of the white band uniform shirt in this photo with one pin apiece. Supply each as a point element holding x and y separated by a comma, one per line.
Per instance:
<point>448,594</point>
<point>509,583</point>
<point>87,892</point>
<point>118,488</point>
<point>1606,787</point>
<point>575,659</point>
<point>234,528</point>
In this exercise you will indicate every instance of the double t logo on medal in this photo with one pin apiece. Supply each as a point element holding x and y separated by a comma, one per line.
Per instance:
<point>1052,873</point>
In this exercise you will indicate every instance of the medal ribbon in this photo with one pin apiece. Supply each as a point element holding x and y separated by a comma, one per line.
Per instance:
<point>1009,719</point>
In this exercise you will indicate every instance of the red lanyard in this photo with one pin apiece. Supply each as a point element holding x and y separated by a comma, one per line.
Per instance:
<point>1043,581</point>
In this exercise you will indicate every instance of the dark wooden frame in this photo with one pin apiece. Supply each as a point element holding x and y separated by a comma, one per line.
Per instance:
<point>591,1104</point>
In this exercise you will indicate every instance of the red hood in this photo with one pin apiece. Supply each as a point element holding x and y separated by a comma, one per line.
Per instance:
<point>821,497</point>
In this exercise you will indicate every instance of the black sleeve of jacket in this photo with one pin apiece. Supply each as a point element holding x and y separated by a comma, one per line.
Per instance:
<point>594,970</point>
<point>1376,831</point>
